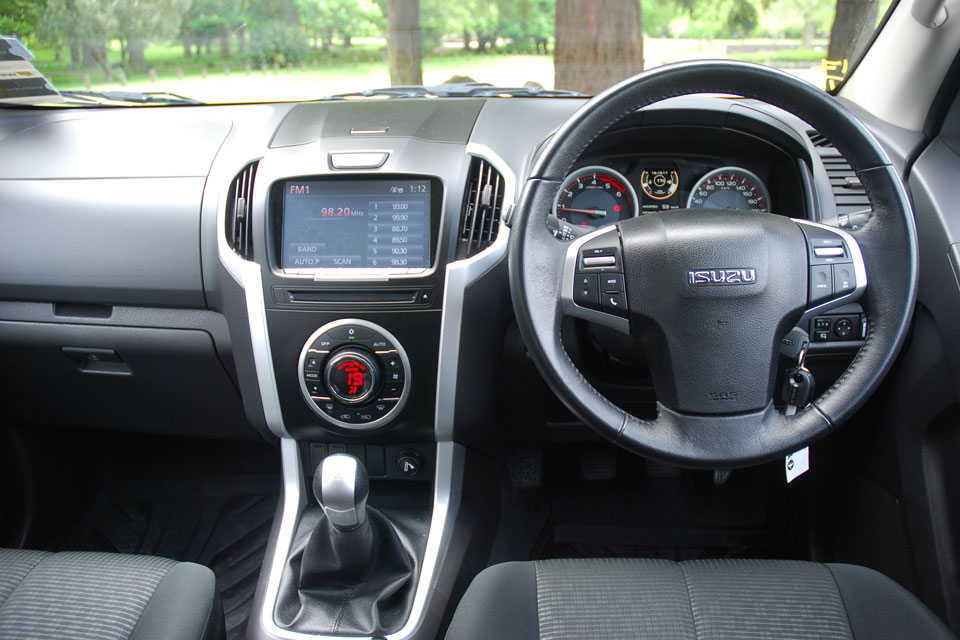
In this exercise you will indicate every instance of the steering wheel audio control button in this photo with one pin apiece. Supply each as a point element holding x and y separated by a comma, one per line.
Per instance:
<point>585,291</point>
<point>600,261</point>
<point>821,283</point>
<point>599,257</point>
<point>615,303</point>
<point>611,283</point>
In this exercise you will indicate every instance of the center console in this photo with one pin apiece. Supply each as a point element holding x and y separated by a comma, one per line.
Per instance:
<point>352,274</point>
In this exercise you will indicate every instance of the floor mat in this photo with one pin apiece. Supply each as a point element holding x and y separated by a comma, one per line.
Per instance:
<point>213,514</point>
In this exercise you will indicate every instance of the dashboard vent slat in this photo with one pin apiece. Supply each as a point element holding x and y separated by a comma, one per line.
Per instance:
<point>238,225</point>
<point>482,207</point>
<point>848,192</point>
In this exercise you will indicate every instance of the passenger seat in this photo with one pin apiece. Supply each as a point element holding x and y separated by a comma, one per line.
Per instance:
<point>106,596</point>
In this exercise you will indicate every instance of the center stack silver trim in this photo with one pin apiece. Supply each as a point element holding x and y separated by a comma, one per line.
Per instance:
<point>450,456</point>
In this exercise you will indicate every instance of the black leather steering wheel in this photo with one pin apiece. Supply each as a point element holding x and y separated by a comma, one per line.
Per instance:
<point>711,293</point>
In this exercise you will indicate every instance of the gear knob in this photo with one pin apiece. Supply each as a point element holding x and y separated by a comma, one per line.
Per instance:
<point>341,486</point>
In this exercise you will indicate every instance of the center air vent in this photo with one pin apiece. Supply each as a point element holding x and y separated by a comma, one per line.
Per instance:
<point>239,208</point>
<point>848,191</point>
<point>483,203</point>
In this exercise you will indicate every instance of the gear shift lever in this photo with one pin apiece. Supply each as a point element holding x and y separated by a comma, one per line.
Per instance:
<point>341,486</point>
<point>351,572</point>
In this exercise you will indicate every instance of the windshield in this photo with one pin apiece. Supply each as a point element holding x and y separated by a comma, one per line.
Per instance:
<point>224,51</point>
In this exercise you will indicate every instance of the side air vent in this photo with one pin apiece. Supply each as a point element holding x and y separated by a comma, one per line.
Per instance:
<point>818,139</point>
<point>482,206</point>
<point>848,191</point>
<point>239,208</point>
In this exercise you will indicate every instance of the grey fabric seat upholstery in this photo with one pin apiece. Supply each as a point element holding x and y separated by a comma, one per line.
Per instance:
<point>696,600</point>
<point>106,596</point>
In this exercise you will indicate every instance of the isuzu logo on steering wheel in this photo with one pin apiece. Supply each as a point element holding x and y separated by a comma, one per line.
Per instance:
<point>722,276</point>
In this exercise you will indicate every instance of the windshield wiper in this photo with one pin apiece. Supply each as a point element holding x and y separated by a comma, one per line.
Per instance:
<point>462,90</point>
<point>130,97</point>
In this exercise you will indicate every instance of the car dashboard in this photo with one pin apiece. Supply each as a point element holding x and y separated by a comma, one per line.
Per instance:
<point>332,275</point>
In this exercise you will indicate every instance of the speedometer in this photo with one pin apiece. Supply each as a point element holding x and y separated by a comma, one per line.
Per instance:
<point>729,188</point>
<point>595,197</point>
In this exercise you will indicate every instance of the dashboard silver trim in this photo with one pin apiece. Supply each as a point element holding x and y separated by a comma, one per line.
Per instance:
<point>448,481</point>
<point>248,275</point>
<point>387,417</point>
<point>343,160</point>
<point>459,275</point>
<point>859,270</point>
<point>567,304</point>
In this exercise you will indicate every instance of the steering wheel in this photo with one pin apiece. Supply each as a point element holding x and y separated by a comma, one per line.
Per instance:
<point>712,293</point>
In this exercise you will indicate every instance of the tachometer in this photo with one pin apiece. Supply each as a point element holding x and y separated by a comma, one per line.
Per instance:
<point>729,188</point>
<point>595,197</point>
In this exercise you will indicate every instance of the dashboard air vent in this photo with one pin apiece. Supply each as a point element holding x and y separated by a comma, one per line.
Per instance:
<point>482,206</point>
<point>848,191</point>
<point>818,139</point>
<point>239,209</point>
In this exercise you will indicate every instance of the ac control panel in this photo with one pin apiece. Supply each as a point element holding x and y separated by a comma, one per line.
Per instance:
<point>354,374</point>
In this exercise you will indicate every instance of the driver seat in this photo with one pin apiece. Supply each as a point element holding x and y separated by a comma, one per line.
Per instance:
<point>699,599</point>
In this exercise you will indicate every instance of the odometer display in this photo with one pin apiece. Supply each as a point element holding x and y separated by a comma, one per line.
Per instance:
<point>729,188</point>
<point>595,197</point>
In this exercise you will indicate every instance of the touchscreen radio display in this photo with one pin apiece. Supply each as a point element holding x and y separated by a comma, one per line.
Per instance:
<point>379,224</point>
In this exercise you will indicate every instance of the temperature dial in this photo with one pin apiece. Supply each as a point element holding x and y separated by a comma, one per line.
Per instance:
<point>352,376</point>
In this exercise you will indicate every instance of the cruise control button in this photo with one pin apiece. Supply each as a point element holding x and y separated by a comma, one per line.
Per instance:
<point>844,279</point>
<point>615,303</point>
<point>828,252</point>
<point>821,283</point>
<point>611,283</point>
<point>585,291</point>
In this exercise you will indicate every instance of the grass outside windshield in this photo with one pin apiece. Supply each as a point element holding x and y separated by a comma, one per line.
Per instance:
<point>248,51</point>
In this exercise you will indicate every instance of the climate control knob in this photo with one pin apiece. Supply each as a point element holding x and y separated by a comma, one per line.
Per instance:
<point>352,376</point>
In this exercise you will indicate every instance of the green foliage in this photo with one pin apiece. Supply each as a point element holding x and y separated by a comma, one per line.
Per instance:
<point>277,42</point>
<point>19,17</point>
<point>346,19</point>
<point>721,18</point>
<point>208,19</point>
<point>657,16</point>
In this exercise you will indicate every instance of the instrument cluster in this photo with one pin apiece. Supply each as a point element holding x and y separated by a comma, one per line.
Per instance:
<point>598,195</point>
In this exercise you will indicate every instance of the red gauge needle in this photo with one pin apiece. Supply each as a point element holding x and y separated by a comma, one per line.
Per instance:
<point>590,212</point>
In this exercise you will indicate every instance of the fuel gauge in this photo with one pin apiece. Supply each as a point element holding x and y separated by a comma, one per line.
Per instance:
<point>659,184</point>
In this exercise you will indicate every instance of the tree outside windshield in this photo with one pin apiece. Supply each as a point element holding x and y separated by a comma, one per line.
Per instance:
<point>274,50</point>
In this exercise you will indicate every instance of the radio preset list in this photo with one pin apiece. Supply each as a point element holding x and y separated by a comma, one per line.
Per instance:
<point>345,224</point>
